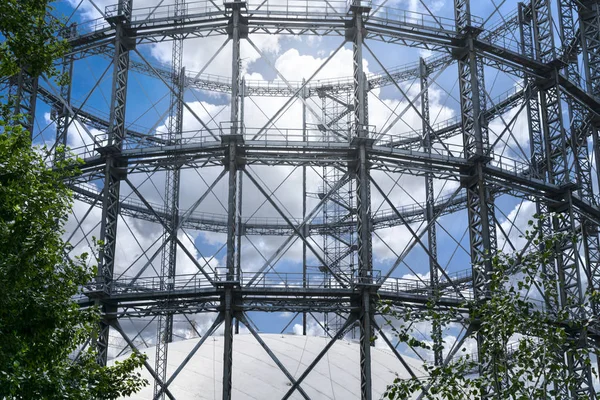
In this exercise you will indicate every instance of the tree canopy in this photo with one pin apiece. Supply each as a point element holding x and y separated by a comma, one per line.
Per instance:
<point>30,37</point>
<point>44,334</point>
<point>522,344</point>
<point>40,325</point>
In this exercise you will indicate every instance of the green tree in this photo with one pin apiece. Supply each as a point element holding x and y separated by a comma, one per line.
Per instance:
<point>30,38</point>
<point>522,342</point>
<point>41,327</point>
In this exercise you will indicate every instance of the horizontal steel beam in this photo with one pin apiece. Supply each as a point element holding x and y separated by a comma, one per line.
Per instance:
<point>389,27</point>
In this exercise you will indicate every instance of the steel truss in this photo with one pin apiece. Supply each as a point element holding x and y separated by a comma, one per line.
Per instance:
<point>339,278</point>
<point>23,96</point>
<point>172,189</point>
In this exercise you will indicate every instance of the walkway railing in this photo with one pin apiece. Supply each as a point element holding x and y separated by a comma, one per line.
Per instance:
<point>275,281</point>
<point>500,36</point>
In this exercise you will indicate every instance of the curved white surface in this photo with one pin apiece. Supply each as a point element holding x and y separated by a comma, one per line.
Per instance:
<point>255,375</point>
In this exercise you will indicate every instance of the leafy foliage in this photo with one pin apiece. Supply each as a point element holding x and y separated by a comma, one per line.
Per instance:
<point>523,345</point>
<point>30,39</point>
<point>41,328</point>
<point>40,325</point>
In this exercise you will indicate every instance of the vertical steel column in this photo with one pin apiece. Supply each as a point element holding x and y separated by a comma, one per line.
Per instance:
<point>533,107</point>
<point>233,131</point>
<point>434,279</point>
<point>476,143</point>
<point>234,30</point>
<point>581,129</point>
<point>115,169</point>
<point>538,154</point>
<point>536,138</point>
<point>480,206</point>
<point>361,131</point>
<point>570,289</point>
<point>338,243</point>
<point>551,118</point>
<point>304,194</point>
<point>363,196</point>
<point>242,99</point>
<point>239,227</point>
<point>589,21</point>
<point>23,93</point>
<point>62,114</point>
<point>239,233</point>
<point>329,216</point>
<point>589,26</point>
<point>172,186</point>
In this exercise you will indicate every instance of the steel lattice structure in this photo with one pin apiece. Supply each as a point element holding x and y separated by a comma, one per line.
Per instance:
<point>551,51</point>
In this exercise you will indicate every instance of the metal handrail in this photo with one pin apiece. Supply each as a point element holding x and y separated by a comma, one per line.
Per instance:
<point>269,280</point>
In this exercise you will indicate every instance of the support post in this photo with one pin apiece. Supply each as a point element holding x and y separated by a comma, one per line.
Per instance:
<point>231,140</point>
<point>562,173</point>
<point>23,94</point>
<point>304,209</point>
<point>482,232</point>
<point>589,20</point>
<point>434,279</point>
<point>581,129</point>
<point>172,188</point>
<point>534,121</point>
<point>227,304</point>
<point>239,228</point>
<point>360,133</point>
<point>115,166</point>
<point>62,113</point>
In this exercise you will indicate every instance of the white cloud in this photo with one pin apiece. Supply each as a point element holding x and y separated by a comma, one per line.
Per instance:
<point>312,329</point>
<point>515,226</point>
